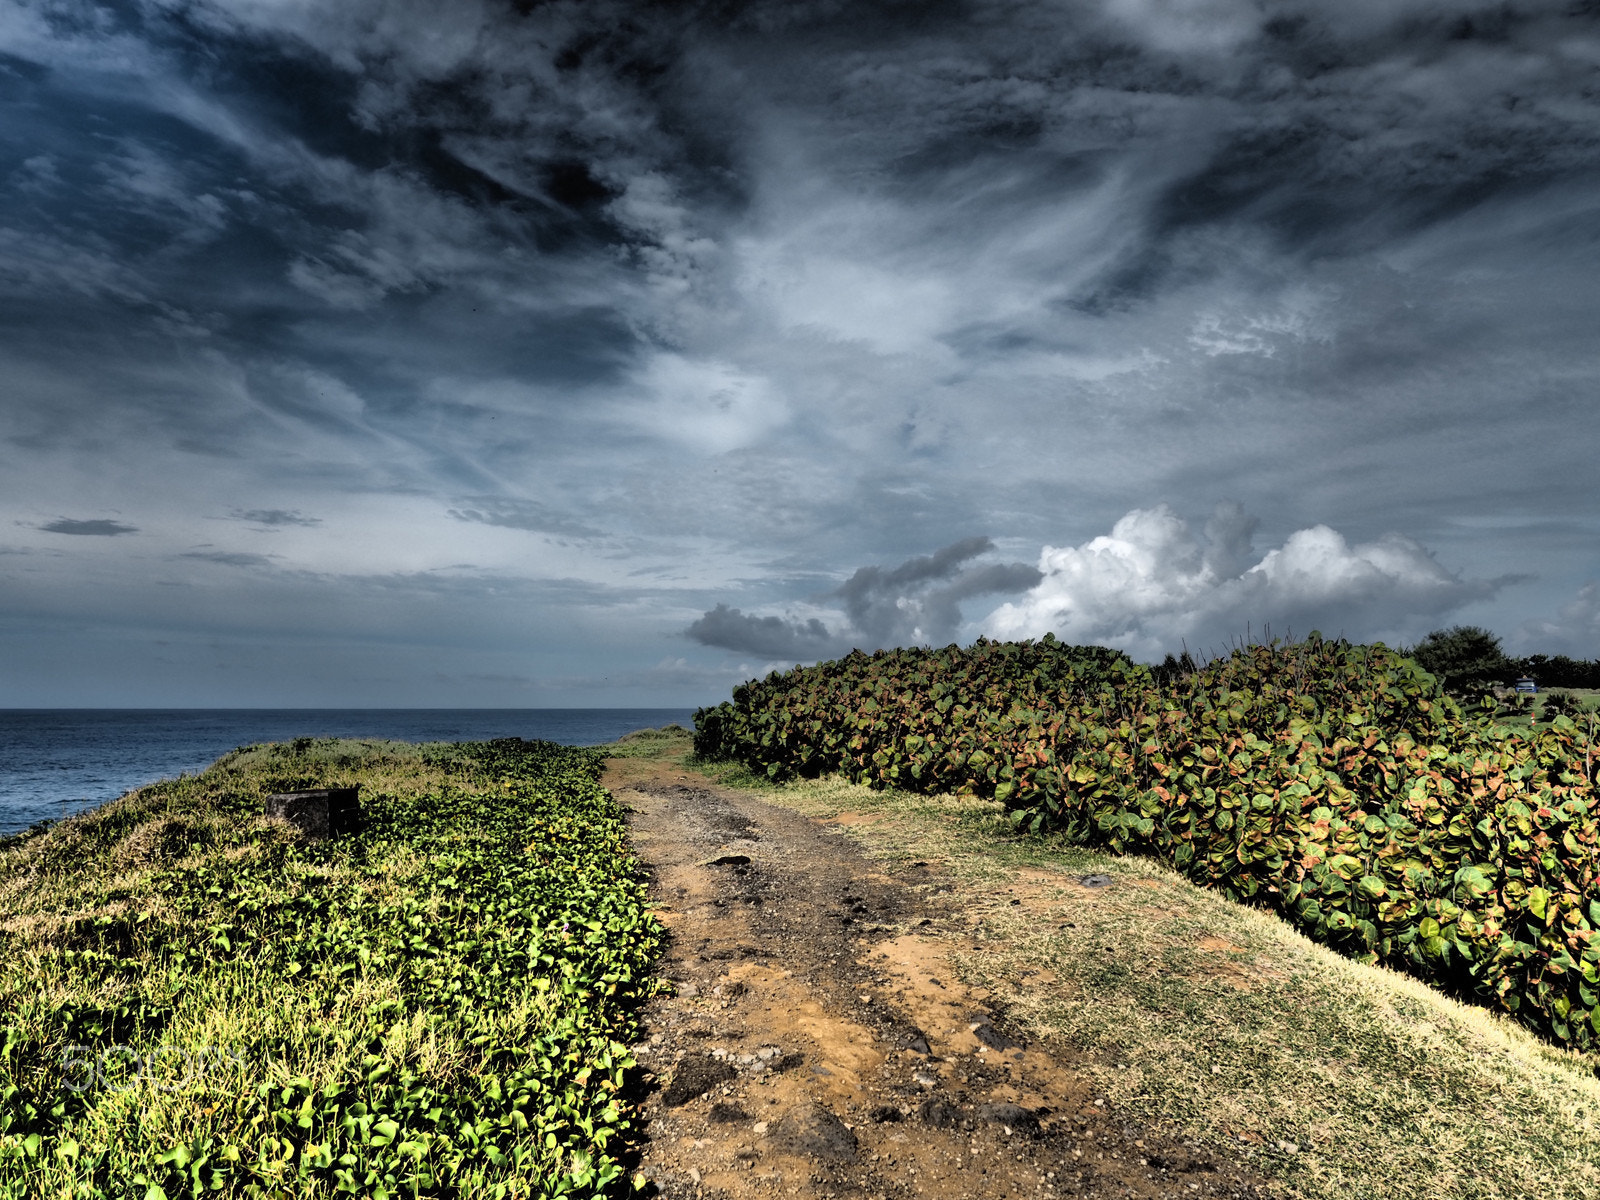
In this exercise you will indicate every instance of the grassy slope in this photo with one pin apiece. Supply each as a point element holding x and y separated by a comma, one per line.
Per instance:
<point>1535,717</point>
<point>384,975</point>
<point>1227,1023</point>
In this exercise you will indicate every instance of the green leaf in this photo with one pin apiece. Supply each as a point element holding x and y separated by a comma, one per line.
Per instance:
<point>1538,901</point>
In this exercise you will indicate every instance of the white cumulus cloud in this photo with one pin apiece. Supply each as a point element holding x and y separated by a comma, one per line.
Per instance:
<point>1154,582</point>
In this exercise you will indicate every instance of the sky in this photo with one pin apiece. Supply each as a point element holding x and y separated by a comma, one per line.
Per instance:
<point>521,353</point>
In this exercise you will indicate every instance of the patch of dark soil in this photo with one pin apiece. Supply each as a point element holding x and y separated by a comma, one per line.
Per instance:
<point>1012,1116</point>
<point>994,1039</point>
<point>941,1114</point>
<point>694,1078</point>
<point>813,1131</point>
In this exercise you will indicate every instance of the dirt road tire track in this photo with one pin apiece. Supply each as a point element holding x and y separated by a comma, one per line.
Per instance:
<point>820,1046</point>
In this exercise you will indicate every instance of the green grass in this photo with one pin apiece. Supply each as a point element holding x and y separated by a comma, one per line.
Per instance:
<point>649,743</point>
<point>1534,717</point>
<point>1222,1022</point>
<point>439,1005</point>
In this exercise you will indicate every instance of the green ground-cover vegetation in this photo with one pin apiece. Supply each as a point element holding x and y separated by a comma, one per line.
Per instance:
<point>1335,784</point>
<point>437,1005</point>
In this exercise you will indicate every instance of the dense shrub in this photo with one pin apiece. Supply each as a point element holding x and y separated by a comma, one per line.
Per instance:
<point>1563,704</point>
<point>911,718</point>
<point>1335,783</point>
<point>1464,658</point>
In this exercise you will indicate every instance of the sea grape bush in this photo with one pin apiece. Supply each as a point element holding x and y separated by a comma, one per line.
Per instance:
<point>907,718</point>
<point>457,1012</point>
<point>1335,783</point>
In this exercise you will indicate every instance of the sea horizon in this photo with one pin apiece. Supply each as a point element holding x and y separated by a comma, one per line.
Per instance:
<point>15,708</point>
<point>58,762</point>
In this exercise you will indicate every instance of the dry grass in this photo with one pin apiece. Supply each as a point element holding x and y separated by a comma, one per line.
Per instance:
<point>99,861</point>
<point>1342,1080</point>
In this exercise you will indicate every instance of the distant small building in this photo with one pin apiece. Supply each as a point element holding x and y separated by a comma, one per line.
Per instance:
<point>1526,684</point>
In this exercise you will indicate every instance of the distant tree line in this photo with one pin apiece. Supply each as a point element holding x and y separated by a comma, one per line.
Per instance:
<point>1466,658</point>
<point>1559,670</point>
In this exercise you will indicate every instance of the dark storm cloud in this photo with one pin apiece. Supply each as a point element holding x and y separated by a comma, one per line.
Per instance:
<point>250,166</point>
<point>377,168</point>
<point>917,602</point>
<point>230,558</point>
<point>192,174</point>
<point>371,165</point>
<point>274,518</point>
<point>99,527</point>
<point>768,637</point>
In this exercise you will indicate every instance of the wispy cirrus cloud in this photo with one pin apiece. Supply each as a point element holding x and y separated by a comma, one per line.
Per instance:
<point>530,515</point>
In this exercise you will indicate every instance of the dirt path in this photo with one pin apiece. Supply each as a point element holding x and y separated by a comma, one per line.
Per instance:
<point>820,1045</point>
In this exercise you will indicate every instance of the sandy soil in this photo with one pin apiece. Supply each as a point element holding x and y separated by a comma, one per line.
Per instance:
<point>820,1045</point>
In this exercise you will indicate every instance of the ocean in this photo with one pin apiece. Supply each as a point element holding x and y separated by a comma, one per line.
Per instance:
<point>56,762</point>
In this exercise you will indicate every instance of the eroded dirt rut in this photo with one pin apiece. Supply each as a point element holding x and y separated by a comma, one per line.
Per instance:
<point>819,1044</point>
